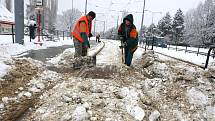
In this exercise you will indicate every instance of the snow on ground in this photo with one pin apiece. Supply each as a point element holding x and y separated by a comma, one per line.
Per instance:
<point>9,50</point>
<point>191,57</point>
<point>67,52</point>
<point>110,54</point>
<point>162,90</point>
<point>155,88</point>
<point>3,69</point>
<point>70,53</point>
<point>205,50</point>
<point>92,99</point>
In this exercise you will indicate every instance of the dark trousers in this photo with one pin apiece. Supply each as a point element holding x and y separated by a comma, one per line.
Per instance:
<point>80,50</point>
<point>97,39</point>
<point>128,56</point>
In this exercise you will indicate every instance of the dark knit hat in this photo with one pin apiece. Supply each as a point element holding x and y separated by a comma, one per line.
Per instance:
<point>92,14</point>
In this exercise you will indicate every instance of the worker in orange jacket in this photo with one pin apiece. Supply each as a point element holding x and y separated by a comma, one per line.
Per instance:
<point>81,33</point>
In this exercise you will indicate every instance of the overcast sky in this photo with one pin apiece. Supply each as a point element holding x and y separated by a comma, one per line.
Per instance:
<point>104,7</point>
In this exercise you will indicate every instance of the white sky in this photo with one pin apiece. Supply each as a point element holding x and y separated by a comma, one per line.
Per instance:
<point>105,6</point>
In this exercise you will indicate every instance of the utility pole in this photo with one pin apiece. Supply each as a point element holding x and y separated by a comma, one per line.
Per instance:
<point>153,17</point>
<point>141,34</point>
<point>117,26</point>
<point>19,21</point>
<point>104,28</point>
<point>43,18</point>
<point>86,8</point>
<point>71,21</point>
<point>117,22</point>
<point>95,27</point>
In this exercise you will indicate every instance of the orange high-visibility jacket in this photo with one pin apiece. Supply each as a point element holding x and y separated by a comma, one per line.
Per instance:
<point>76,31</point>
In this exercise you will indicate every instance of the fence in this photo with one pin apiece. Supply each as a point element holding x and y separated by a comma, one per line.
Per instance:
<point>209,52</point>
<point>12,33</point>
<point>11,24</point>
<point>186,48</point>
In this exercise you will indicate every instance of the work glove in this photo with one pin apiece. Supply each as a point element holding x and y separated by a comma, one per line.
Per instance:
<point>89,45</point>
<point>85,42</point>
<point>125,44</point>
<point>90,35</point>
<point>121,37</point>
<point>121,47</point>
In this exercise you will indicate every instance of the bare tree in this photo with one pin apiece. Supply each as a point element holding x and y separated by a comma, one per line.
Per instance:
<point>67,20</point>
<point>9,5</point>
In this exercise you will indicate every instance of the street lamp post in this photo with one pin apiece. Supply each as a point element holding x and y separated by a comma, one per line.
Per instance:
<point>95,24</point>
<point>86,8</point>
<point>152,29</point>
<point>141,34</point>
<point>19,21</point>
<point>95,27</point>
<point>104,29</point>
<point>152,12</point>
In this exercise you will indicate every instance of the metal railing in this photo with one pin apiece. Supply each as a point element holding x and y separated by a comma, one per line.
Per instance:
<point>208,56</point>
<point>58,33</point>
<point>177,48</point>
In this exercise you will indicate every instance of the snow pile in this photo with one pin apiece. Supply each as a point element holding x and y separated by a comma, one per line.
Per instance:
<point>23,83</point>
<point>8,51</point>
<point>154,116</point>
<point>197,97</point>
<point>160,91</point>
<point>137,112</point>
<point>80,114</point>
<point>67,60</point>
<point>95,99</point>
<point>3,69</point>
<point>67,54</point>
<point>211,112</point>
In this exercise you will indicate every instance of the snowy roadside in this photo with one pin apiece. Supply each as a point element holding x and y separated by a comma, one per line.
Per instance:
<point>21,87</point>
<point>190,57</point>
<point>9,50</point>
<point>69,54</point>
<point>110,54</point>
<point>25,82</point>
<point>155,88</point>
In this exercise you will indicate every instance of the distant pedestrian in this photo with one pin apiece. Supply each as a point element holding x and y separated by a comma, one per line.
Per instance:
<point>129,36</point>
<point>98,38</point>
<point>81,33</point>
<point>32,29</point>
<point>213,53</point>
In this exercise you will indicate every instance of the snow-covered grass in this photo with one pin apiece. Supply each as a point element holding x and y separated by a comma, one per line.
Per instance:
<point>205,50</point>
<point>191,57</point>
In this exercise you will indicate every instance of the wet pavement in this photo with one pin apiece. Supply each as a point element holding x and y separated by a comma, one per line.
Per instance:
<point>45,54</point>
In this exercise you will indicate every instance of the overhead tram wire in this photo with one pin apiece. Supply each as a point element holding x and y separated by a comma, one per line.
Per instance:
<point>127,4</point>
<point>97,6</point>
